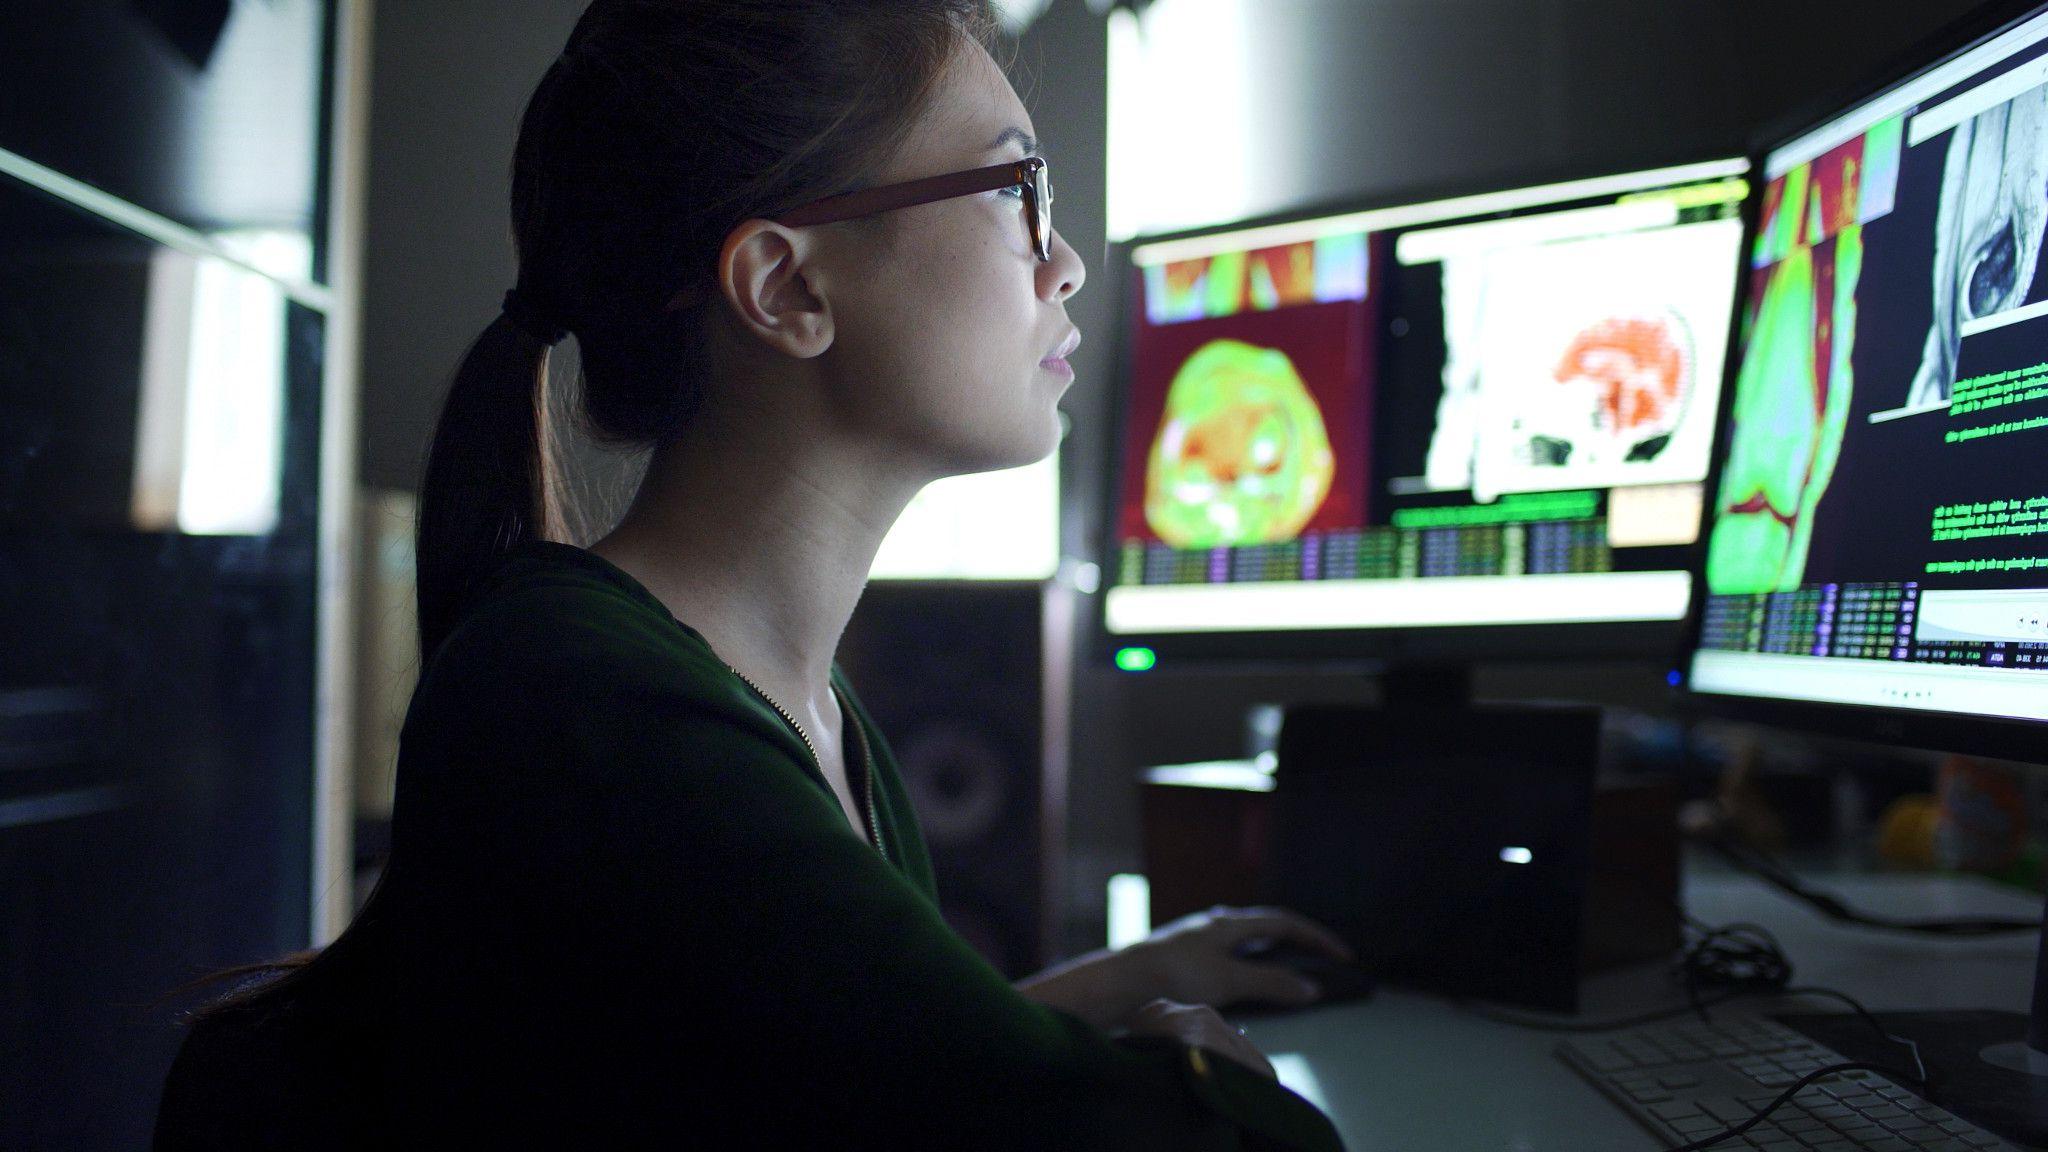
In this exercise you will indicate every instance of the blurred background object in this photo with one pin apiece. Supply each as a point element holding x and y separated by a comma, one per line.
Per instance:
<point>180,194</point>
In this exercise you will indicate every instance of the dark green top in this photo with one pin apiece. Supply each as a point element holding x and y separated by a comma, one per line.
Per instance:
<point>621,891</point>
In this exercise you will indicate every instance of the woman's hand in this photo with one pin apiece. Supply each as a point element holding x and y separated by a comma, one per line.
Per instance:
<point>1199,1025</point>
<point>1194,959</point>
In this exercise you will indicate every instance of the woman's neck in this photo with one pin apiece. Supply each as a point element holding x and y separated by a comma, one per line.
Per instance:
<point>760,536</point>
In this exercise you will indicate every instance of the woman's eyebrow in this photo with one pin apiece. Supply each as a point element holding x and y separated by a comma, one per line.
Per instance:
<point>1020,136</point>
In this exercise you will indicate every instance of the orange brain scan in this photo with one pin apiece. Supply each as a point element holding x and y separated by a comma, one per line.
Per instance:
<point>1635,373</point>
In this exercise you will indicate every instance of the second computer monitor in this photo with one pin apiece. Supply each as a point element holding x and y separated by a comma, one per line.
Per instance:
<point>1875,562</point>
<point>1466,418</point>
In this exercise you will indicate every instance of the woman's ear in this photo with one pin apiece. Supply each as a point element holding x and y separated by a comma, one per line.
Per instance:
<point>762,275</point>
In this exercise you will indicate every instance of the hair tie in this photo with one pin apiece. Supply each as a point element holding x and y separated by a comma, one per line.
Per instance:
<point>531,319</point>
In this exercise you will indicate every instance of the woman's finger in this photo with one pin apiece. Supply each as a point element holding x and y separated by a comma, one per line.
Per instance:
<point>1242,1050</point>
<point>1201,1026</point>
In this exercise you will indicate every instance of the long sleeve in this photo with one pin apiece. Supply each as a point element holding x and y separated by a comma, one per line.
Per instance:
<point>626,898</point>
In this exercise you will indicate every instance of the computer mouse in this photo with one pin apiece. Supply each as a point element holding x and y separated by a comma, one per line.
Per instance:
<point>1340,981</point>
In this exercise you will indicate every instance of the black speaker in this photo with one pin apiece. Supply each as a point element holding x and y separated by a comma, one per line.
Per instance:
<point>953,674</point>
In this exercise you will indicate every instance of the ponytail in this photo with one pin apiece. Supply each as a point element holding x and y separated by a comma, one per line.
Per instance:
<point>489,484</point>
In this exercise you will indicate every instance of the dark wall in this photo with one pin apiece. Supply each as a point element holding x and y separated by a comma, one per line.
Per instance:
<point>450,79</point>
<point>1382,95</point>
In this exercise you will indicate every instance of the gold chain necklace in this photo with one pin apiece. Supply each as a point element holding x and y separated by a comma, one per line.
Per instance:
<point>846,714</point>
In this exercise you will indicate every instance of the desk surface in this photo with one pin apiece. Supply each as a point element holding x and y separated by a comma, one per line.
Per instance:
<point>1409,1072</point>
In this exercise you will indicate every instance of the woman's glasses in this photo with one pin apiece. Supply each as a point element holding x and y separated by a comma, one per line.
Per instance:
<point>1028,174</point>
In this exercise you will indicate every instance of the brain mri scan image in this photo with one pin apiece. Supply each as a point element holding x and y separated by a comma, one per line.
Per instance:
<point>1620,389</point>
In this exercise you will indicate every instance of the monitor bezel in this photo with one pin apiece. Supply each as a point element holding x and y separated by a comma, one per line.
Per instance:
<point>1653,641</point>
<point>1996,736</point>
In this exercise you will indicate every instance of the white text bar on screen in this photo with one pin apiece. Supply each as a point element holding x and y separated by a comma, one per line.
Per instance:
<point>1443,601</point>
<point>1961,688</point>
<point>1435,245</point>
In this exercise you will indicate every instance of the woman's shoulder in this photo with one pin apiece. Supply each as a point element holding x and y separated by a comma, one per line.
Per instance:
<point>561,660</point>
<point>551,624</point>
<point>551,600</point>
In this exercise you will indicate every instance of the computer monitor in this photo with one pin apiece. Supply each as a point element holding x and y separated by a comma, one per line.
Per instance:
<point>1434,431</point>
<point>1876,559</point>
<point>1876,553</point>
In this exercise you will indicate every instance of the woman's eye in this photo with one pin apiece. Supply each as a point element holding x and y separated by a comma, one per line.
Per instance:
<point>1016,190</point>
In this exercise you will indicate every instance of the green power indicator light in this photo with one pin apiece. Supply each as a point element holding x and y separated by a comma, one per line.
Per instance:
<point>1136,659</point>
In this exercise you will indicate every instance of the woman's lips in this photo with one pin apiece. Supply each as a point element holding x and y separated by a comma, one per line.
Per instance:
<point>1057,361</point>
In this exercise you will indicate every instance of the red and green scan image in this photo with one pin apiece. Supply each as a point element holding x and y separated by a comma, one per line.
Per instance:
<point>1637,371</point>
<point>1791,411</point>
<point>1242,456</point>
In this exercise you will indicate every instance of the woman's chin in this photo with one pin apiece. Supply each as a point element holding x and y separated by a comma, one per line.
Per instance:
<point>1017,454</point>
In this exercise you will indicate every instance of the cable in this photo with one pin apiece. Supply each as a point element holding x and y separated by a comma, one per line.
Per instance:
<point>1748,963</point>
<point>1778,1101</point>
<point>1919,1065</point>
<point>1918,1077</point>
<point>1741,955</point>
<point>1747,959</point>
<point>1771,872</point>
<point>1755,963</point>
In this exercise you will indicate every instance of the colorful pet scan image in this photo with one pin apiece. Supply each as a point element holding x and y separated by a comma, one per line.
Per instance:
<point>1250,417</point>
<point>1241,455</point>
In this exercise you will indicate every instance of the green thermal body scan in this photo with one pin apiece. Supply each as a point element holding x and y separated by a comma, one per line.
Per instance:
<point>1788,427</point>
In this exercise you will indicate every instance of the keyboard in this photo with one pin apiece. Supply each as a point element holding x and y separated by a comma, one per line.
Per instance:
<point>1687,1080</point>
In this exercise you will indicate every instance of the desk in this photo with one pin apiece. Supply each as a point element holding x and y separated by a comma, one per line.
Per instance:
<point>1408,1072</point>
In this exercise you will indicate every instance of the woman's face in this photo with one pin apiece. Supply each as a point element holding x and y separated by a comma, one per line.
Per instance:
<point>946,326</point>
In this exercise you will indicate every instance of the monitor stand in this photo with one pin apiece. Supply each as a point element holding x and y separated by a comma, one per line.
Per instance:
<point>1426,685</point>
<point>1990,1068</point>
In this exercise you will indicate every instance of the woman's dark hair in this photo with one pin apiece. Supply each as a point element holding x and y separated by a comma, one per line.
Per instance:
<point>661,126</point>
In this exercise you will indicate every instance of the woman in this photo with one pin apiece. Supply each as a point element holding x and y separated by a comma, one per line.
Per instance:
<point>654,875</point>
